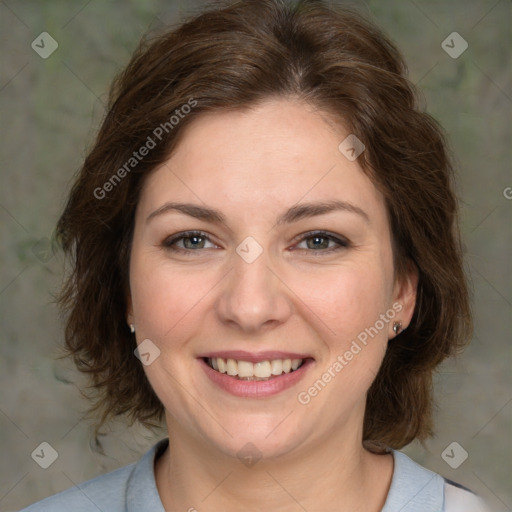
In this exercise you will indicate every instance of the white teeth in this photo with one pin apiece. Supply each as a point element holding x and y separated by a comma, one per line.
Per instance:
<point>261,369</point>
<point>245,369</point>
<point>232,367</point>
<point>254,371</point>
<point>221,364</point>
<point>277,367</point>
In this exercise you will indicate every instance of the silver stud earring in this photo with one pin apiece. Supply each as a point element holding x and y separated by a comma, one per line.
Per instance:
<point>132,328</point>
<point>397,327</point>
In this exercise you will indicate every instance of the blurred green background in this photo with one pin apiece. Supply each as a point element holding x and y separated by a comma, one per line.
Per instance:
<point>50,112</point>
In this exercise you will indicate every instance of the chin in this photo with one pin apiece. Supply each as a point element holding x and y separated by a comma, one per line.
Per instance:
<point>254,436</point>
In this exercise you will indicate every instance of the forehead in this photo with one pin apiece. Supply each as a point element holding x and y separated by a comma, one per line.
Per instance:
<point>279,153</point>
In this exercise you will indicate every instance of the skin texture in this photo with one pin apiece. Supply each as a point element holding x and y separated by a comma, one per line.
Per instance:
<point>253,165</point>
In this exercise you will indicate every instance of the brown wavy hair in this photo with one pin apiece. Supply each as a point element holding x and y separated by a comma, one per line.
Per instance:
<point>232,56</point>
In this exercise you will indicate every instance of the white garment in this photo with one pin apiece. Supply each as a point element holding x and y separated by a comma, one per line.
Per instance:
<point>460,500</point>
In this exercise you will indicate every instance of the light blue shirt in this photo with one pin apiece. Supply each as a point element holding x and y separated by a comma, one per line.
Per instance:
<point>133,489</point>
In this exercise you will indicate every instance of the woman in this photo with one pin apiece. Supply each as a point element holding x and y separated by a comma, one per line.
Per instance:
<point>266,254</point>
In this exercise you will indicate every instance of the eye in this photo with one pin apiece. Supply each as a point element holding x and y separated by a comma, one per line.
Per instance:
<point>316,241</point>
<point>191,241</point>
<point>322,241</point>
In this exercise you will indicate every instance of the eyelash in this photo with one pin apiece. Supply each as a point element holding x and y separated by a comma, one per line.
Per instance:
<point>342,243</point>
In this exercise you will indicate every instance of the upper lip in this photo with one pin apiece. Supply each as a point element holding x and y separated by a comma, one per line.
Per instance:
<point>255,357</point>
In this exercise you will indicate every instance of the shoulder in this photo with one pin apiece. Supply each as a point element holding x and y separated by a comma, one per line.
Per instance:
<point>417,489</point>
<point>460,499</point>
<point>131,488</point>
<point>413,487</point>
<point>105,492</point>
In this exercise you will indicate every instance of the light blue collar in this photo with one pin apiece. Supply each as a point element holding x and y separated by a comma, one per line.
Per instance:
<point>413,487</point>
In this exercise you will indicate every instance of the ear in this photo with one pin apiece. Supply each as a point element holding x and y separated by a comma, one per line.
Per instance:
<point>404,293</point>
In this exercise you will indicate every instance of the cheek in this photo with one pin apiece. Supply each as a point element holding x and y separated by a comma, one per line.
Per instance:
<point>347,301</point>
<point>347,304</point>
<point>164,297</point>
<point>167,304</point>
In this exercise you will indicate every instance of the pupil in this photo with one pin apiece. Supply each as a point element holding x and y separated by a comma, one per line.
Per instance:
<point>194,239</point>
<point>315,239</point>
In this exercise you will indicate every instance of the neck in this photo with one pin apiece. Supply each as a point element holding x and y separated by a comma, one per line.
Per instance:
<point>192,475</point>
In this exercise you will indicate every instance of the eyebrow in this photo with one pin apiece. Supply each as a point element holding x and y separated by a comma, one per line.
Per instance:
<point>293,214</point>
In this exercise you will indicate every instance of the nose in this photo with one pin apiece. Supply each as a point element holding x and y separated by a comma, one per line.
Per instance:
<point>253,296</point>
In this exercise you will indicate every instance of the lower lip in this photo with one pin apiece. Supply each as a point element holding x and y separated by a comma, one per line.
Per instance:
<point>256,388</point>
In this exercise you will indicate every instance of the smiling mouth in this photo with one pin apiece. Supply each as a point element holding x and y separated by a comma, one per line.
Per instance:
<point>262,370</point>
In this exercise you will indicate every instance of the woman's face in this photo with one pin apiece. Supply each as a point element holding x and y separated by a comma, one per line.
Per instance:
<point>259,286</point>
